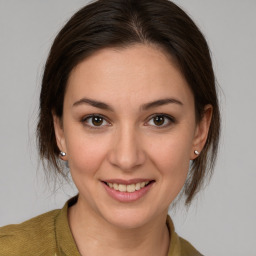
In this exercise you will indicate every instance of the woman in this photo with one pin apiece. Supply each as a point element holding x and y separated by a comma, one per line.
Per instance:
<point>128,102</point>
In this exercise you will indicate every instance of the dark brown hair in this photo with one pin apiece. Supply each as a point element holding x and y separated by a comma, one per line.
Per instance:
<point>121,23</point>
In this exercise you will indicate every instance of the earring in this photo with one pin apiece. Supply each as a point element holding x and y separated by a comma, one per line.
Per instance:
<point>196,152</point>
<point>62,153</point>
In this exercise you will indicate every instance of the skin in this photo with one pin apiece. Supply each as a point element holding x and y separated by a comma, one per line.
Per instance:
<point>128,144</point>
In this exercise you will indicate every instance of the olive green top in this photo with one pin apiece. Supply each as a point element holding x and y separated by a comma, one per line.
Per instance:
<point>49,234</point>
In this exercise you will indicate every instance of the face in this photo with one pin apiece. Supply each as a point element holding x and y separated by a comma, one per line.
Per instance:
<point>129,132</point>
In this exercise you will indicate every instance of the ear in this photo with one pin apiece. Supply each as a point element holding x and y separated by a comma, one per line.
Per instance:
<point>59,134</point>
<point>201,131</point>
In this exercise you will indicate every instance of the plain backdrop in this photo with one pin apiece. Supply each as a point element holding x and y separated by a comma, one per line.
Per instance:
<point>222,221</point>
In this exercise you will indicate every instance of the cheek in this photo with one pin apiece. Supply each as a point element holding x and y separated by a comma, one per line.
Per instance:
<point>86,153</point>
<point>171,155</point>
<point>173,162</point>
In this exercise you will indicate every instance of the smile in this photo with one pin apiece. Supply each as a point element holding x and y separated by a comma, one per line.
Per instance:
<point>128,191</point>
<point>128,188</point>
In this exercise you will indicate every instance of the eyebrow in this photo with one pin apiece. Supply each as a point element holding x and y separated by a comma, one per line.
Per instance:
<point>94,103</point>
<point>102,105</point>
<point>160,102</point>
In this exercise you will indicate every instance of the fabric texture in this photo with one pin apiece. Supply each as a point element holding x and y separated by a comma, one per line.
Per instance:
<point>49,234</point>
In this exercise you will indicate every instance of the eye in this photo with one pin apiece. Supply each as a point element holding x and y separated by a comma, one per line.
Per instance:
<point>95,121</point>
<point>161,120</point>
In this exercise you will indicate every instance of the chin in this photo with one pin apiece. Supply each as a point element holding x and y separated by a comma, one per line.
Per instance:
<point>128,218</point>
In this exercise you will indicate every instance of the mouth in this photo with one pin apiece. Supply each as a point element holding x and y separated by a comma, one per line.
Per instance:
<point>130,188</point>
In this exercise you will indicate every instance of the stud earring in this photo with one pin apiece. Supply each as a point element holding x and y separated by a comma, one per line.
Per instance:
<point>62,153</point>
<point>196,152</point>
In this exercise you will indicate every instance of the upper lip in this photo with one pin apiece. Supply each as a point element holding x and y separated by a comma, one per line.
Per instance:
<point>126,182</point>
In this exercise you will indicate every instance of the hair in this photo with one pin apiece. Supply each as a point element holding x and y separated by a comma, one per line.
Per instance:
<point>120,24</point>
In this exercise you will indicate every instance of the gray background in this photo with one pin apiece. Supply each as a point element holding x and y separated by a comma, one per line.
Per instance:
<point>222,221</point>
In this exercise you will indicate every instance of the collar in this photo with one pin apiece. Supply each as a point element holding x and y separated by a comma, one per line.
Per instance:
<point>65,242</point>
<point>174,246</point>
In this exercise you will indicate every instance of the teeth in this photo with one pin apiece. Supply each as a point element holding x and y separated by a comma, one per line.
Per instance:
<point>137,187</point>
<point>128,188</point>
<point>122,188</point>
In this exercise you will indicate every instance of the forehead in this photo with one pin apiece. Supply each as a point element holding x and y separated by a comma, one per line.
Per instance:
<point>137,71</point>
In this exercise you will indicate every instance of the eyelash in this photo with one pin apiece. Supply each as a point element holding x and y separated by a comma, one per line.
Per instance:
<point>86,118</point>
<point>170,120</point>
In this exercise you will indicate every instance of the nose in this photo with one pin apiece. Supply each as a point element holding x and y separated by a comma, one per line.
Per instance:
<point>127,150</point>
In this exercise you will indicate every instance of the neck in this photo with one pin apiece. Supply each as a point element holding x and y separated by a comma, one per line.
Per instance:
<point>95,236</point>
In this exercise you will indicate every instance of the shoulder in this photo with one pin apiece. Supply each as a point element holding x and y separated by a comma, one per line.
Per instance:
<point>188,249</point>
<point>36,235</point>
<point>178,245</point>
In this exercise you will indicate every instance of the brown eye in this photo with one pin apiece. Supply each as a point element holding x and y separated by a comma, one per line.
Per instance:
<point>97,120</point>
<point>159,120</point>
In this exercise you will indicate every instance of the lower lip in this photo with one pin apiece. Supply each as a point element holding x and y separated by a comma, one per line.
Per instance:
<point>127,197</point>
